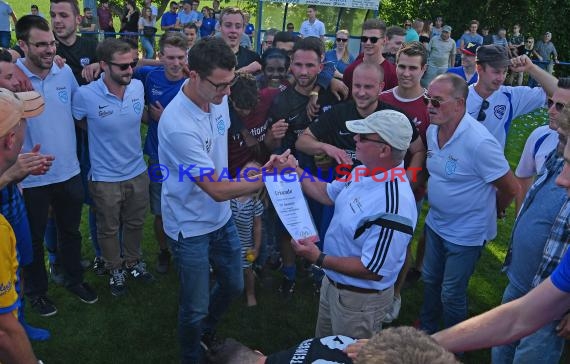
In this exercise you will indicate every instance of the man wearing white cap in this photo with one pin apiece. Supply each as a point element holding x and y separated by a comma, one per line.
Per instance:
<point>14,344</point>
<point>374,219</point>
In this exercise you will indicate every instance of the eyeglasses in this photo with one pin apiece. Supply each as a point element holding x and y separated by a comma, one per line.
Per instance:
<point>407,25</point>
<point>558,105</point>
<point>344,40</point>
<point>484,106</point>
<point>124,66</point>
<point>44,45</point>
<point>365,39</point>
<point>435,102</point>
<point>363,137</point>
<point>222,86</point>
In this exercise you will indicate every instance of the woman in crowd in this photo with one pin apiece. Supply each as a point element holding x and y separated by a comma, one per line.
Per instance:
<point>208,26</point>
<point>130,21</point>
<point>340,56</point>
<point>148,31</point>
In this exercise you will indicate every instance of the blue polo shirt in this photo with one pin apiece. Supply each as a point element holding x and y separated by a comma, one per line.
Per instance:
<point>113,129</point>
<point>208,27</point>
<point>168,19</point>
<point>461,73</point>
<point>54,128</point>
<point>156,88</point>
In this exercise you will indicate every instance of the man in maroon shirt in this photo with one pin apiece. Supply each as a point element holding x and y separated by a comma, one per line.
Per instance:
<point>105,17</point>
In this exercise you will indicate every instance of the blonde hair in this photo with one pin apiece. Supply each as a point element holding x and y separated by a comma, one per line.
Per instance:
<point>345,55</point>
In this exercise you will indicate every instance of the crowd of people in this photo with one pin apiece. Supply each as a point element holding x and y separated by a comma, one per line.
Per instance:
<point>383,130</point>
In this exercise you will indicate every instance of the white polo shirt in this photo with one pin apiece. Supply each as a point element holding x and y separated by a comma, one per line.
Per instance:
<point>54,128</point>
<point>539,144</point>
<point>462,198</point>
<point>316,29</point>
<point>113,129</point>
<point>190,140</point>
<point>381,249</point>
<point>505,105</point>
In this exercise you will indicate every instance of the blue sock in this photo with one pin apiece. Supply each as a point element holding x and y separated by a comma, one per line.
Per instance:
<point>290,272</point>
<point>93,232</point>
<point>50,239</point>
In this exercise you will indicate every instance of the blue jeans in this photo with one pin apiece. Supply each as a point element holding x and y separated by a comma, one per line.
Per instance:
<point>544,346</point>
<point>200,308</point>
<point>148,46</point>
<point>446,272</point>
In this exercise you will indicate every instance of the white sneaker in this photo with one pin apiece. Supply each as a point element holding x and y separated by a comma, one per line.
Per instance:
<point>394,311</point>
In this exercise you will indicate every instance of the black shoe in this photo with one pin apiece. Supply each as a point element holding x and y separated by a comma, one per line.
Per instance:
<point>287,287</point>
<point>43,306</point>
<point>99,266</point>
<point>117,282</point>
<point>210,340</point>
<point>163,261</point>
<point>84,292</point>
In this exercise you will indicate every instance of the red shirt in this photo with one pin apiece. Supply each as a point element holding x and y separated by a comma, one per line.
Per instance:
<point>390,78</point>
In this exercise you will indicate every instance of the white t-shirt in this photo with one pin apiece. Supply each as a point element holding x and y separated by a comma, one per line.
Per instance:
<point>505,105</point>
<point>381,249</point>
<point>113,128</point>
<point>192,143</point>
<point>540,143</point>
<point>316,29</point>
<point>54,128</point>
<point>462,197</point>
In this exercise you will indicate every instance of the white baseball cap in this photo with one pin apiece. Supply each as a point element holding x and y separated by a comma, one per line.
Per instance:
<point>392,126</point>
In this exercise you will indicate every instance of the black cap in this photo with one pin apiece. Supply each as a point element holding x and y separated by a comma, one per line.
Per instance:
<point>494,55</point>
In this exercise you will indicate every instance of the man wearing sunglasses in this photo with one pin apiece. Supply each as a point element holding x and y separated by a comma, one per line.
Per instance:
<point>61,187</point>
<point>496,105</point>
<point>539,237</point>
<point>118,183</point>
<point>464,160</point>
<point>372,42</point>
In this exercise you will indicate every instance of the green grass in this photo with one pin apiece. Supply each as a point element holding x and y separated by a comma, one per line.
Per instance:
<point>141,327</point>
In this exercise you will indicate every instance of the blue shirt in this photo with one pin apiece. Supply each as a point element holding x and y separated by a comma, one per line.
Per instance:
<point>156,88</point>
<point>249,29</point>
<point>330,56</point>
<point>113,128</point>
<point>468,37</point>
<point>192,17</point>
<point>461,73</point>
<point>168,18</point>
<point>561,276</point>
<point>54,129</point>
<point>208,27</point>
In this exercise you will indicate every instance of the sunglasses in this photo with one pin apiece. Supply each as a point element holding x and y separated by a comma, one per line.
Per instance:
<point>222,86</point>
<point>344,40</point>
<point>558,105</point>
<point>124,66</point>
<point>365,39</point>
<point>484,106</point>
<point>435,102</point>
<point>363,138</point>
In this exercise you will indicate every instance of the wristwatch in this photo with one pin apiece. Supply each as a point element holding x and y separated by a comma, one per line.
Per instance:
<point>320,260</point>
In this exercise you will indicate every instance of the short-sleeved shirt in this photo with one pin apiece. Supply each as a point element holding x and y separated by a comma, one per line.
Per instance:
<point>54,128</point>
<point>440,52</point>
<point>339,64</point>
<point>505,105</point>
<point>381,249</point>
<point>156,88</point>
<point>462,197</point>
<point>168,19</point>
<point>78,55</point>
<point>5,13</point>
<point>105,16</point>
<point>315,29</point>
<point>113,129</point>
<point>516,40</point>
<point>500,41</point>
<point>461,73</point>
<point>190,140</point>
<point>9,302</point>
<point>390,77</point>
<point>561,276</point>
<point>192,17</point>
<point>415,109</point>
<point>324,350</point>
<point>246,57</point>
<point>470,38</point>
<point>86,23</point>
<point>539,144</point>
<point>411,36</point>
<point>208,27</point>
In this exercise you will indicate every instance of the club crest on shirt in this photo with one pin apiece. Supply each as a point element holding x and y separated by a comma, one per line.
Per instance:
<point>62,94</point>
<point>137,106</point>
<point>499,111</point>
<point>450,165</point>
<point>84,61</point>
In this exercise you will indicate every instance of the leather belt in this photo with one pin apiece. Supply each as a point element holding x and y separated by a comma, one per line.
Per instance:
<point>350,288</point>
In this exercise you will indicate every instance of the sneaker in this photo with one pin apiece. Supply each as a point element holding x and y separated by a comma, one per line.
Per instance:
<point>394,310</point>
<point>210,340</point>
<point>43,306</point>
<point>56,274</point>
<point>99,266</point>
<point>35,333</point>
<point>139,272</point>
<point>117,282</point>
<point>287,287</point>
<point>84,292</point>
<point>163,262</point>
